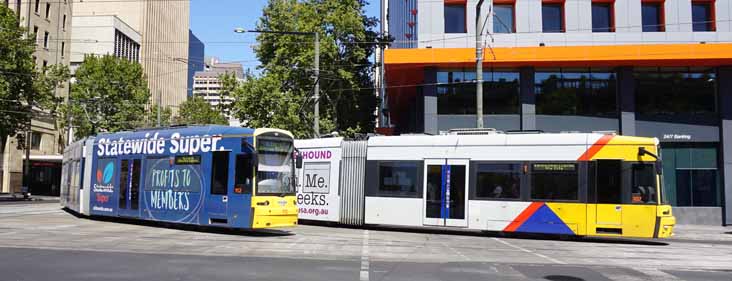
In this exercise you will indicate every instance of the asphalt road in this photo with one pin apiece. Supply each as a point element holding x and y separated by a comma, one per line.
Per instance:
<point>42,242</point>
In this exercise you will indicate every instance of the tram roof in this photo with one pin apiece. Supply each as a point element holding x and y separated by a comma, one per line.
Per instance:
<point>165,132</point>
<point>499,139</point>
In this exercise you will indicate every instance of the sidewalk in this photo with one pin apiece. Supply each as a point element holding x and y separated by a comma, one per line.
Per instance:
<point>7,197</point>
<point>688,232</point>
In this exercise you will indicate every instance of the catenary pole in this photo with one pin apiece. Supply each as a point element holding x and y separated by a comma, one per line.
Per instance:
<point>316,122</point>
<point>478,65</point>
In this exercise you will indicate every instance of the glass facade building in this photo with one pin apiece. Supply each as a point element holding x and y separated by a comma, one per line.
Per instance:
<point>646,68</point>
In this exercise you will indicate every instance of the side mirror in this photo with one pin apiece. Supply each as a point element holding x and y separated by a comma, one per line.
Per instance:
<point>659,167</point>
<point>298,161</point>
<point>255,161</point>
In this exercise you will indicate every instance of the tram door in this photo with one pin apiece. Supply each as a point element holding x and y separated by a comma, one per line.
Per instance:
<point>130,174</point>
<point>445,190</point>
<point>218,197</point>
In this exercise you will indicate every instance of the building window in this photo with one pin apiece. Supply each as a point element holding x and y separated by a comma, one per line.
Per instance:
<point>46,36</point>
<point>498,181</point>
<point>702,14</point>
<point>552,16</point>
<point>603,16</point>
<point>37,7</point>
<point>503,17</point>
<point>691,176</point>
<point>668,94</point>
<point>48,10</point>
<point>455,17</point>
<point>63,23</point>
<point>36,140</point>
<point>63,48</point>
<point>35,33</point>
<point>45,65</point>
<point>456,92</point>
<point>653,16</point>
<point>585,92</point>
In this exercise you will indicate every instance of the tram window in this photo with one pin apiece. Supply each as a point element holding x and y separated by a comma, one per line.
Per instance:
<point>643,189</point>
<point>609,182</point>
<point>243,181</point>
<point>498,181</point>
<point>398,178</point>
<point>135,184</point>
<point>554,181</point>
<point>124,172</point>
<point>220,172</point>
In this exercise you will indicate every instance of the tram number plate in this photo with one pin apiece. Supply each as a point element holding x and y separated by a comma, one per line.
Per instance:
<point>282,202</point>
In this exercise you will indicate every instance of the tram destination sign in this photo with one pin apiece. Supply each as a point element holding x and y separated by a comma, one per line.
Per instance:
<point>554,167</point>
<point>188,159</point>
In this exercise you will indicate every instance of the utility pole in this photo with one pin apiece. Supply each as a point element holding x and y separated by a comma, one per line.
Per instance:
<point>25,189</point>
<point>479,65</point>
<point>316,123</point>
<point>159,108</point>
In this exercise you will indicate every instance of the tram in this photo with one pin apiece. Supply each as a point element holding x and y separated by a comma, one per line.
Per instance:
<point>575,184</point>
<point>202,175</point>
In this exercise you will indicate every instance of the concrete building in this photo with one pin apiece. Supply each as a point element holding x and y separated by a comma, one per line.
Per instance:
<point>196,57</point>
<point>111,36</point>
<point>50,21</point>
<point>656,68</point>
<point>206,84</point>
<point>164,30</point>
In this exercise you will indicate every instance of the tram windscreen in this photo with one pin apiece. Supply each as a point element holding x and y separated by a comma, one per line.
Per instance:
<point>274,170</point>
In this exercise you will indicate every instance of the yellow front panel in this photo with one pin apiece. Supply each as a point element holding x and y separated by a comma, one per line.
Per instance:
<point>639,220</point>
<point>667,221</point>
<point>274,211</point>
<point>572,214</point>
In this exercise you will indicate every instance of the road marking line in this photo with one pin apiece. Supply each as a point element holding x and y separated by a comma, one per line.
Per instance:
<point>364,274</point>
<point>529,251</point>
<point>657,275</point>
<point>456,251</point>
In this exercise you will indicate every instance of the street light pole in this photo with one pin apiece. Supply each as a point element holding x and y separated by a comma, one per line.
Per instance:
<point>479,65</point>
<point>316,111</point>
<point>316,62</point>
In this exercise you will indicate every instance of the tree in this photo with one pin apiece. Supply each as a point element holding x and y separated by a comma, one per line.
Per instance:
<point>166,117</point>
<point>110,94</point>
<point>196,110</point>
<point>229,85</point>
<point>25,91</point>
<point>347,42</point>
<point>260,103</point>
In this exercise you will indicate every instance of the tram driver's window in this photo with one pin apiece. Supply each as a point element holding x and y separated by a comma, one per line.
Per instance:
<point>643,189</point>
<point>498,181</point>
<point>244,171</point>
<point>220,172</point>
<point>554,181</point>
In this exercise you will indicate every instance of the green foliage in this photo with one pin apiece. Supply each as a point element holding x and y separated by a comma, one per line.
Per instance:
<point>166,117</point>
<point>110,94</point>
<point>229,85</point>
<point>23,88</point>
<point>285,86</point>
<point>260,103</point>
<point>196,110</point>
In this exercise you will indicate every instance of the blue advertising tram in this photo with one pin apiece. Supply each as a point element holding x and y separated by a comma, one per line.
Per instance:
<point>203,175</point>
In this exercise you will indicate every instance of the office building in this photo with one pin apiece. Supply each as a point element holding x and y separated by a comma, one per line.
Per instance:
<point>207,85</point>
<point>50,22</point>
<point>650,68</point>
<point>164,29</point>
